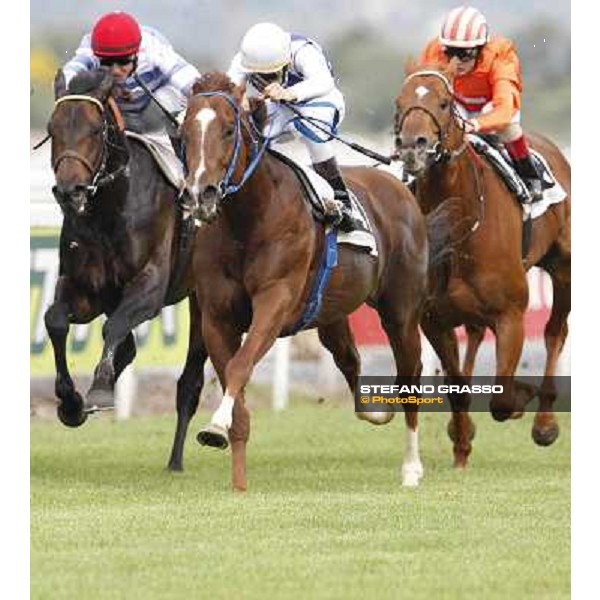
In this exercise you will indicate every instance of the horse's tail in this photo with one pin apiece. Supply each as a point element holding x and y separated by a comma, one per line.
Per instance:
<point>447,226</point>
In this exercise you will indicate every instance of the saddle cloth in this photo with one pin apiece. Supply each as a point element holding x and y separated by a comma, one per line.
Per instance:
<point>499,158</point>
<point>160,147</point>
<point>317,190</point>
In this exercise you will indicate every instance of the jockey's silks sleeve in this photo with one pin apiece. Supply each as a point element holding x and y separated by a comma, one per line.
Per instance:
<point>312,65</point>
<point>158,65</point>
<point>496,78</point>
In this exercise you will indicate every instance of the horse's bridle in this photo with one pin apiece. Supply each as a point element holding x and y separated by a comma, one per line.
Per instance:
<point>226,186</point>
<point>99,174</point>
<point>439,151</point>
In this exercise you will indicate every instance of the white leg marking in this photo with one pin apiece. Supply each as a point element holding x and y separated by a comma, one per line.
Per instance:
<point>412,469</point>
<point>223,416</point>
<point>204,118</point>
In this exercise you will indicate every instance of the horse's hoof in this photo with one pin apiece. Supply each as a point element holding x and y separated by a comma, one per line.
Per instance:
<point>451,429</point>
<point>545,437</point>
<point>517,414</point>
<point>214,436</point>
<point>376,418</point>
<point>99,399</point>
<point>411,475</point>
<point>501,414</point>
<point>73,418</point>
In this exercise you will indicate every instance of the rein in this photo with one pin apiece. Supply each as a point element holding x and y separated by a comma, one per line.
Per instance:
<point>259,145</point>
<point>442,154</point>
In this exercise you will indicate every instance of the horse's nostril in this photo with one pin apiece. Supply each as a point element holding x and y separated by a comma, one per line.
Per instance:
<point>421,141</point>
<point>210,193</point>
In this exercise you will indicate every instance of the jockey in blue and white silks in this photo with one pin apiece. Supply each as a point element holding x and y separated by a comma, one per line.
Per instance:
<point>119,43</point>
<point>292,68</point>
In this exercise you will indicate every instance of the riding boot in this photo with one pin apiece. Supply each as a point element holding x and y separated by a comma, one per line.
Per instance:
<point>329,170</point>
<point>529,174</point>
<point>526,168</point>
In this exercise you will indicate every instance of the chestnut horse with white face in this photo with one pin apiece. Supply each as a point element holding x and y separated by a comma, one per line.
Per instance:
<point>484,282</point>
<point>263,253</point>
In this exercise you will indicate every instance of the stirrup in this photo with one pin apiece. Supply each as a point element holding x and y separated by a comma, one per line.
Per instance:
<point>348,223</point>
<point>535,188</point>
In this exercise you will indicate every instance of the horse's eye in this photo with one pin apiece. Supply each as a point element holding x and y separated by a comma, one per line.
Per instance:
<point>444,104</point>
<point>228,133</point>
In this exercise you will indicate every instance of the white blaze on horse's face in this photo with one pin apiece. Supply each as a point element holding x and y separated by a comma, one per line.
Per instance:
<point>421,91</point>
<point>204,119</point>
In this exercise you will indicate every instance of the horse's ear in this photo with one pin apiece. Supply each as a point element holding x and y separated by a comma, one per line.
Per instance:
<point>238,93</point>
<point>411,65</point>
<point>450,69</point>
<point>196,87</point>
<point>106,84</point>
<point>60,84</point>
<point>258,112</point>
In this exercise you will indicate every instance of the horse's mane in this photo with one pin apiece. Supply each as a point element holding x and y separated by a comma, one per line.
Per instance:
<point>86,81</point>
<point>412,66</point>
<point>214,81</point>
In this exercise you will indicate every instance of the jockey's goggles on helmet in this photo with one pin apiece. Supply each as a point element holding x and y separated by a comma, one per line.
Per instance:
<point>120,61</point>
<point>463,54</point>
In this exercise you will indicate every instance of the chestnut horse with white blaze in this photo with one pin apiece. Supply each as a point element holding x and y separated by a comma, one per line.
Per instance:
<point>261,253</point>
<point>484,283</point>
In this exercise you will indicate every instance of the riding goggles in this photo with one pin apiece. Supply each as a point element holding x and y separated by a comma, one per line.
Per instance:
<point>463,54</point>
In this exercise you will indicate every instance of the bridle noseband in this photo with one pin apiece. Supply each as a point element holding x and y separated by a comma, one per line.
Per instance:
<point>100,176</point>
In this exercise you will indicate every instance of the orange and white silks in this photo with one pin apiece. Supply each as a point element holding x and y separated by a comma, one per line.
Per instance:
<point>496,78</point>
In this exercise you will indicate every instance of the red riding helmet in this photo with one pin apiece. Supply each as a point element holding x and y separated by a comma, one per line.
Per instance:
<point>116,34</point>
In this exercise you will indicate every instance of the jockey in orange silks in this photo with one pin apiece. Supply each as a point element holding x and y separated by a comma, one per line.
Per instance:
<point>487,84</point>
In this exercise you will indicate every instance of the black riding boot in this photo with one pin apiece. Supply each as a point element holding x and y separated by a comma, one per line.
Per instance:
<point>329,170</point>
<point>529,174</point>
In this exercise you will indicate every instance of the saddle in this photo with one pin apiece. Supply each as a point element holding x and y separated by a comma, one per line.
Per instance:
<point>492,149</point>
<point>160,147</point>
<point>315,187</point>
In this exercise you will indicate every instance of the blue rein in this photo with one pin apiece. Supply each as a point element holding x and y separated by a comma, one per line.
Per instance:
<point>226,186</point>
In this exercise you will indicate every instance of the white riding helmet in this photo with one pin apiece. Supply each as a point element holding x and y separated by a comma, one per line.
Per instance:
<point>266,48</point>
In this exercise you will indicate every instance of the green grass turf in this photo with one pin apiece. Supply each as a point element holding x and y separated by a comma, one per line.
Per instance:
<point>325,515</point>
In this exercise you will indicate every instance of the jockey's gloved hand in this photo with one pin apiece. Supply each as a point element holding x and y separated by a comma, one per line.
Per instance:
<point>275,91</point>
<point>471,126</point>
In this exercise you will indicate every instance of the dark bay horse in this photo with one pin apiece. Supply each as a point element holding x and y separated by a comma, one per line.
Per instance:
<point>484,282</point>
<point>265,251</point>
<point>118,247</point>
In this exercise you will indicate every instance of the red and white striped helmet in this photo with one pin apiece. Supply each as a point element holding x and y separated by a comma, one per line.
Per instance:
<point>464,27</point>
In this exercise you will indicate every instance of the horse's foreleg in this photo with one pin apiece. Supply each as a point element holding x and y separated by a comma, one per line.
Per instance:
<point>545,428</point>
<point>70,410</point>
<point>475,335</point>
<point>142,300</point>
<point>510,335</point>
<point>270,311</point>
<point>222,340</point>
<point>461,428</point>
<point>189,385</point>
